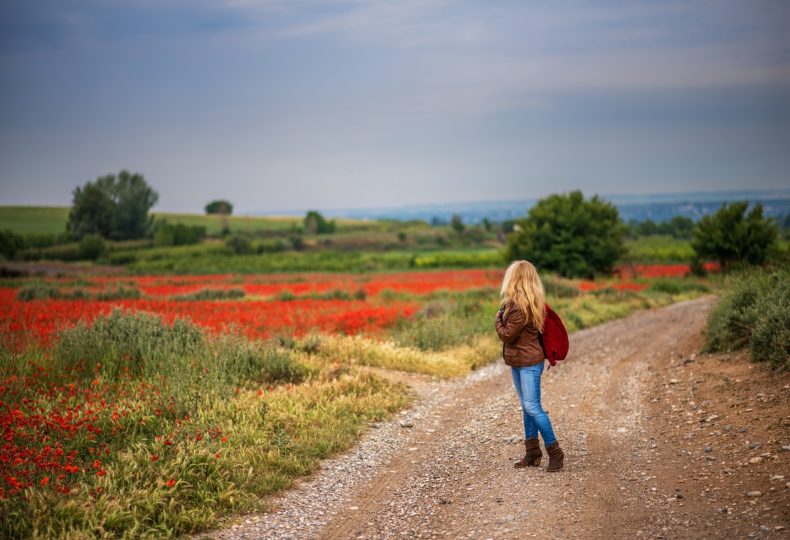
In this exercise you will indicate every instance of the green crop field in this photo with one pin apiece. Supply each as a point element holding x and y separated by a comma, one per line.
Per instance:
<point>34,219</point>
<point>52,220</point>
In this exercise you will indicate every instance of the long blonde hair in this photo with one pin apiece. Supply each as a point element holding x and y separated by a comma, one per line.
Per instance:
<point>523,288</point>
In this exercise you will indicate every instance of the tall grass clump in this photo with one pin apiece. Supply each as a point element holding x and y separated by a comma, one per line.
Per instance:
<point>448,320</point>
<point>754,313</point>
<point>140,344</point>
<point>213,294</point>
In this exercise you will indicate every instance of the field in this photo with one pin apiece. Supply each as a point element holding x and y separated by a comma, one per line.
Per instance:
<point>165,389</point>
<point>53,219</point>
<point>139,405</point>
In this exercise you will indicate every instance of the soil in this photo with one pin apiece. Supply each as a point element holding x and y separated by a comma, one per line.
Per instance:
<point>660,441</point>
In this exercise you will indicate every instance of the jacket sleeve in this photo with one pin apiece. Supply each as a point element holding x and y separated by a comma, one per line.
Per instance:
<point>508,328</point>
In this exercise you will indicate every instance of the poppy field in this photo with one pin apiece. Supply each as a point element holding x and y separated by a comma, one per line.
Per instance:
<point>159,405</point>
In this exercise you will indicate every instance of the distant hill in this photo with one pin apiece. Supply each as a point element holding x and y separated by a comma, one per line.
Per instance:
<point>658,207</point>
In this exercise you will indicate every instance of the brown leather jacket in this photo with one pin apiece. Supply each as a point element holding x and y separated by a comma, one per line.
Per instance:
<point>521,346</point>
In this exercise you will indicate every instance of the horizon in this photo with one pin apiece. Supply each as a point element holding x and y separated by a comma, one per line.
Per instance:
<point>618,199</point>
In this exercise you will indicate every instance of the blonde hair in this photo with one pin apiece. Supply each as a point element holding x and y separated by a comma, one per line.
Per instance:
<point>523,288</point>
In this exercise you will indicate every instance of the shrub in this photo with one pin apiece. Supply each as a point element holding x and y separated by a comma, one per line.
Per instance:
<point>240,245</point>
<point>315,223</point>
<point>732,236</point>
<point>92,247</point>
<point>178,234</point>
<point>753,313</point>
<point>570,235</point>
<point>10,243</point>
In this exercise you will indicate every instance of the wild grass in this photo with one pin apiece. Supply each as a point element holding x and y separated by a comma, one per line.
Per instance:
<point>38,290</point>
<point>183,428</point>
<point>212,294</point>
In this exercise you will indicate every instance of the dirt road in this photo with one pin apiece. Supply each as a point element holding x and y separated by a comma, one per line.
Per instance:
<point>660,442</point>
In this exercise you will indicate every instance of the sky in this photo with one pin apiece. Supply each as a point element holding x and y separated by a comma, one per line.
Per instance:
<point>288,104</point>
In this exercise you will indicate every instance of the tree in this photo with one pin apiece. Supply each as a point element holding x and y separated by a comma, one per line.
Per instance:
<point>91,211</point>
<point>113,206</point>
<point>314,223</point>
<point>731,235</point>
<point>569,235</point>
<point>457,223</point>
<point>219,207</point>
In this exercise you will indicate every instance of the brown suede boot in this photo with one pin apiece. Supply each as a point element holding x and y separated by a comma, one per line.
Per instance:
<point>556,457</point>
<point>533,455</point>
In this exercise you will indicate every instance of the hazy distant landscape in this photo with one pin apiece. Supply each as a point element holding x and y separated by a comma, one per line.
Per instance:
<point>656,207</point>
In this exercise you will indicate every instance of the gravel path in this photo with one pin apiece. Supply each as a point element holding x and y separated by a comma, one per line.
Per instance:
<point>443,469</point>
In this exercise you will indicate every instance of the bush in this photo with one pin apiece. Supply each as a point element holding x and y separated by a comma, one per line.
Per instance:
<point>315,223</point>
<point>732,236</point>
<point>570,235</point>
<point>754,313</point>
<point>178,234</point>
<point>240,245</point>
<point>92,247</point>
<point>10,243</point>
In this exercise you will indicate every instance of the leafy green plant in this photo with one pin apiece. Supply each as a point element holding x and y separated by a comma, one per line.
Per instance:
<point>753,313</point>
<point>733,236</point>
<point>570,235</point>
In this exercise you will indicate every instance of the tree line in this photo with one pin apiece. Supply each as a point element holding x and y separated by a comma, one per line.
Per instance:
<point>567,233</point>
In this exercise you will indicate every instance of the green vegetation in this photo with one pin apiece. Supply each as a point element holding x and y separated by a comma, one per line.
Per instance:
<point>34,219</point>
<point>38,290</point>
<point>187,432</point>
<point>570,235</point>
<point>754,313</point>
<point>177,234</point>
<point>733,236</point>
<point>219,207</point>
<point>215,258</point>
<point>678,227</point>
<point>314,223</point>
<point>113,206</point>
<point>658,249</point>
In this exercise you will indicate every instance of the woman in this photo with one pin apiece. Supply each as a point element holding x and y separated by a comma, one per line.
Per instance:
<point>518,324</point>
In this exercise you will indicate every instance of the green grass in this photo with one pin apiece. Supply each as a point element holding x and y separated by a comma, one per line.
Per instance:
<point>34,219</point>
<point>214,258</point>
<point>53,219</point>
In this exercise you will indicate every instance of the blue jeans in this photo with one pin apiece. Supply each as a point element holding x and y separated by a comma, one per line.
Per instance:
<point>527,383</point>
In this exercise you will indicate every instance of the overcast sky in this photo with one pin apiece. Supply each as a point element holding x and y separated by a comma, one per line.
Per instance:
<point>285,104</point>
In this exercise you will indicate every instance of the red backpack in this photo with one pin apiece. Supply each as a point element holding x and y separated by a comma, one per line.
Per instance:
<point>554,338</point>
